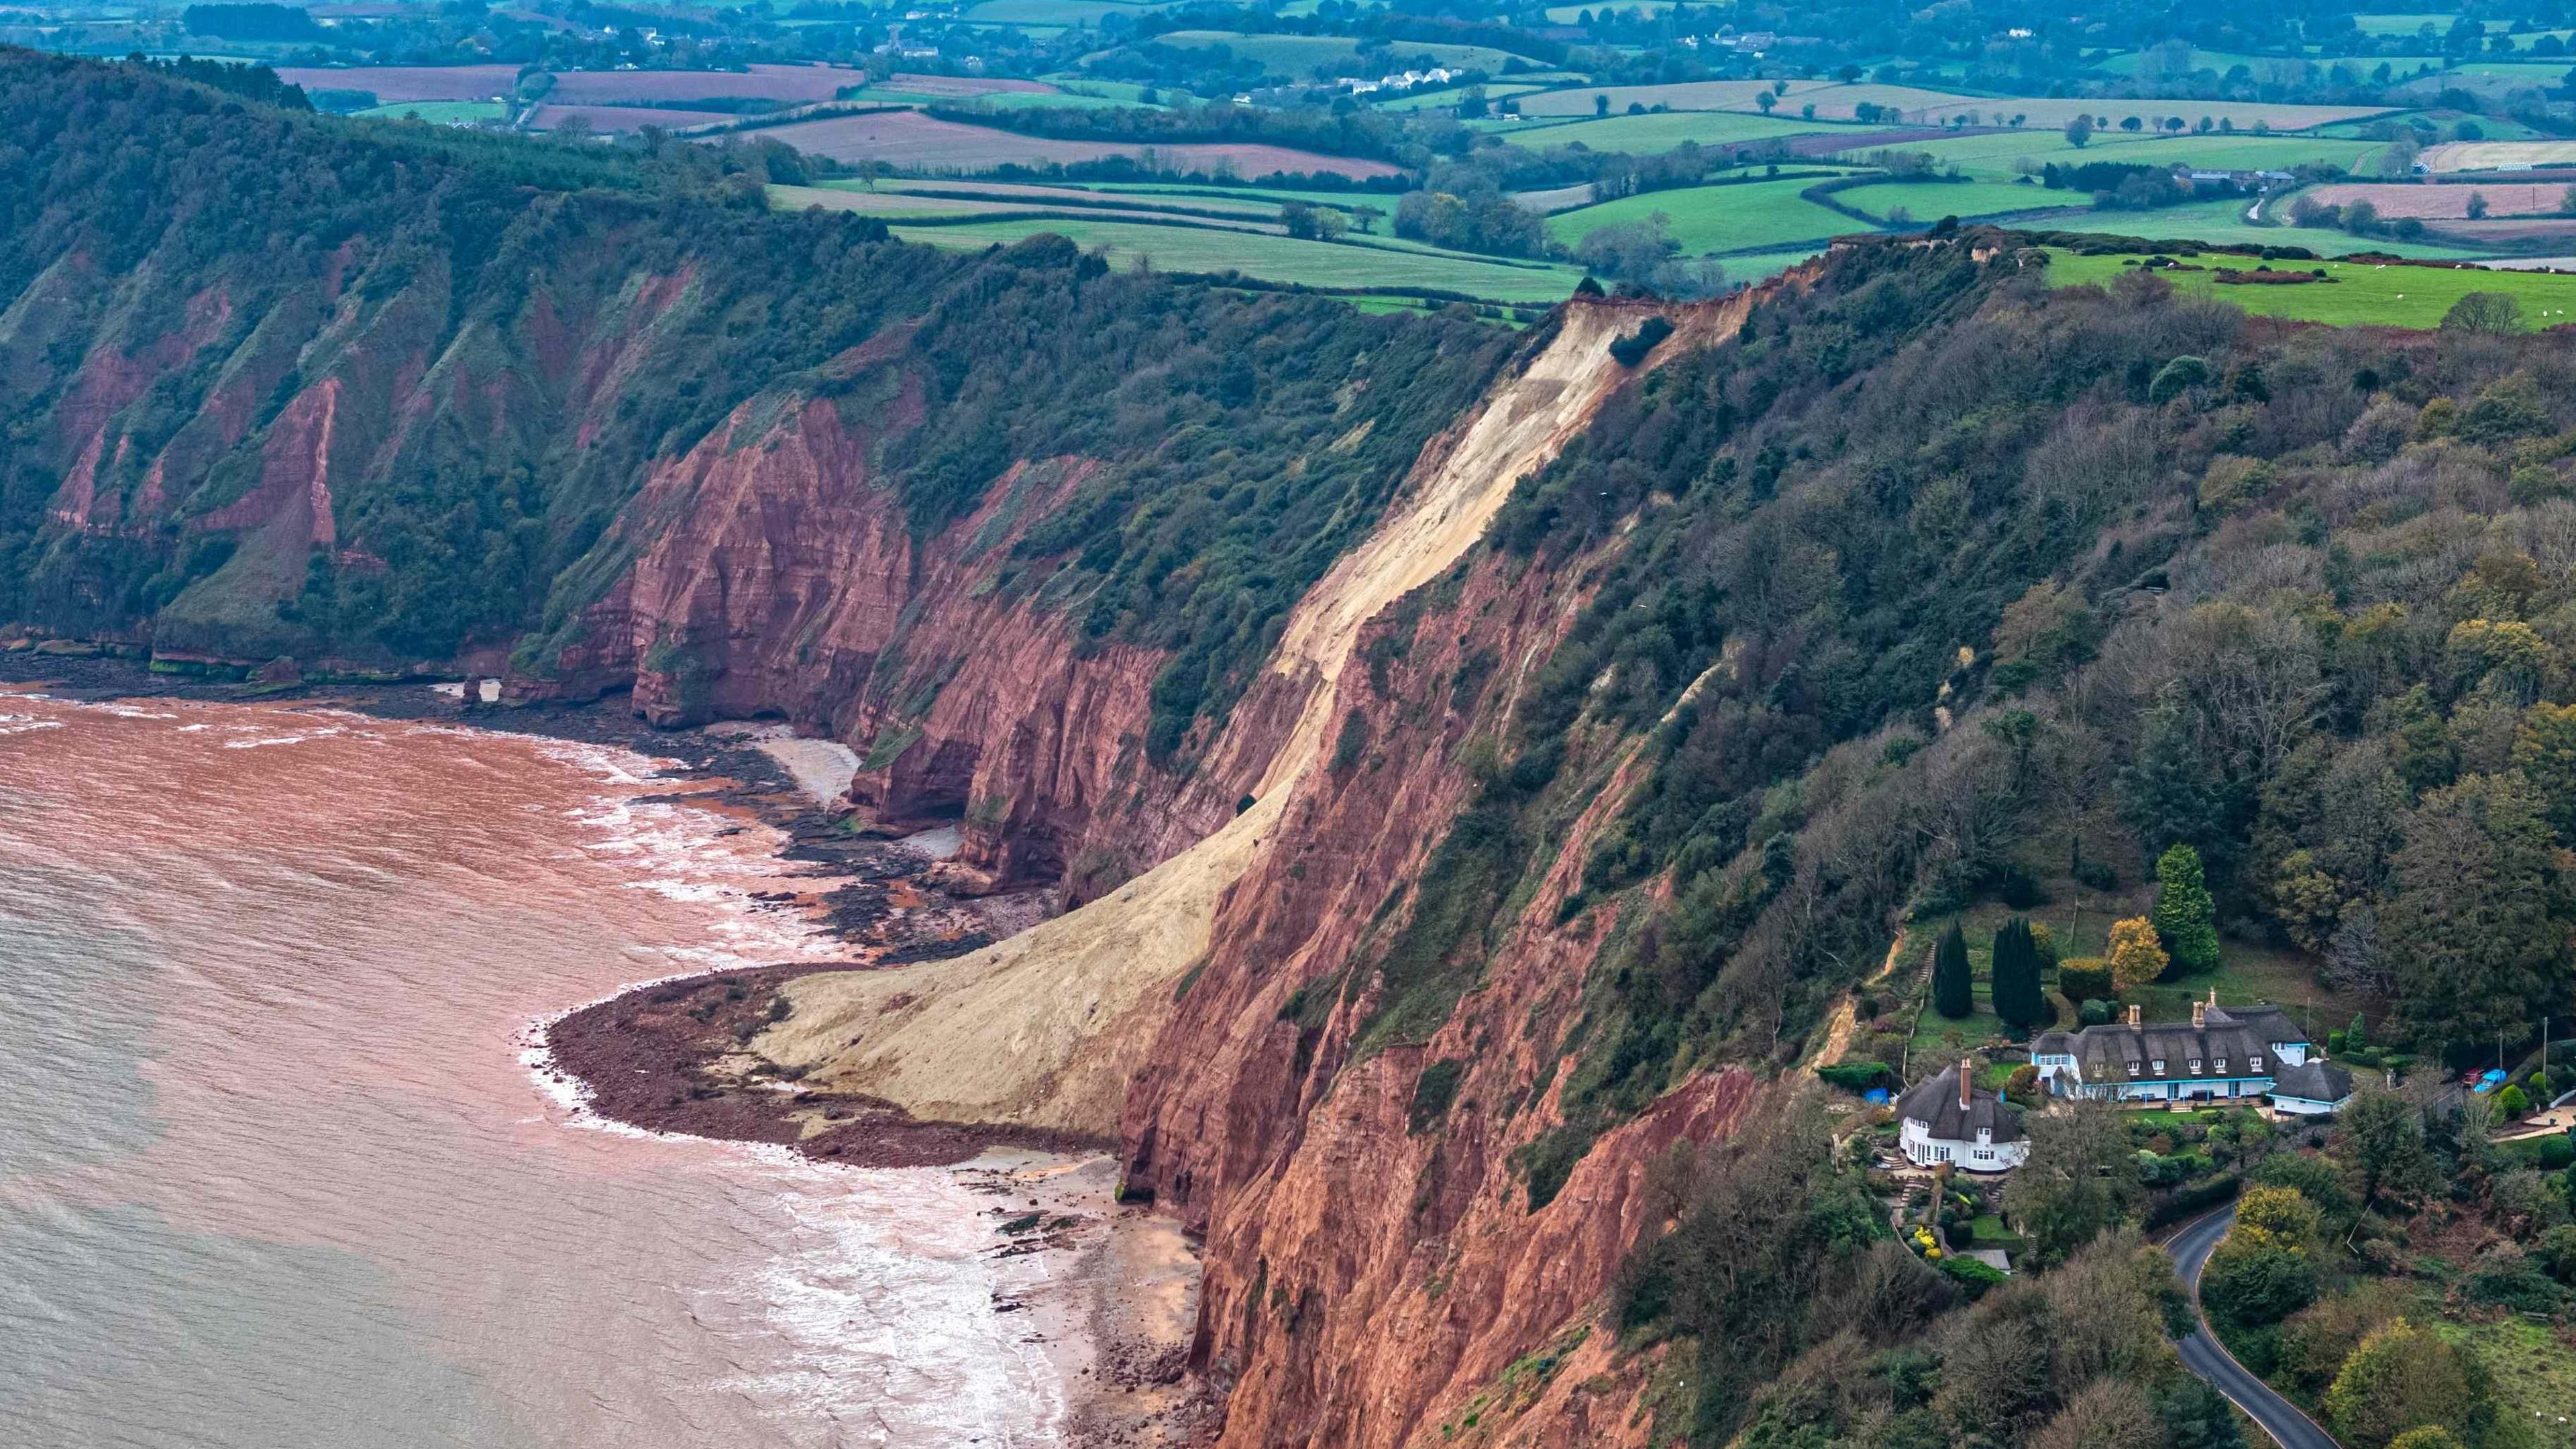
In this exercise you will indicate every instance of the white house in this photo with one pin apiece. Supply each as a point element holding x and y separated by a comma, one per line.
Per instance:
<point>1946,1119</point>
<point>2224,1054</point>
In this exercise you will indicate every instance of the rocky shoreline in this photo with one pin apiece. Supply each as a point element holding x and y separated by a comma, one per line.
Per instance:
<point>667,1057</point>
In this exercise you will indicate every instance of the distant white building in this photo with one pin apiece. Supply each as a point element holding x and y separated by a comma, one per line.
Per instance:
<point>1946,1119</point>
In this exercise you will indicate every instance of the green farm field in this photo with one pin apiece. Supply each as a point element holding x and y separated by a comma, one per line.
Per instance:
<point>1915,106</point>
<point>999,201</point>
<point>1273,258</point>
<point>439,113</point>
<point>1296,56</point>
<point>1994,155</point>
<point>1752,216</point>
<point>1656,133</point>
<point>1727,95</point>
<point>1263,200</point>
<point>1931,200</point>
<point>2360,294</point>
<point>1443,99</point>
<point>2263,67</point>
<point>1053,12</point>
<point>2222,222</point>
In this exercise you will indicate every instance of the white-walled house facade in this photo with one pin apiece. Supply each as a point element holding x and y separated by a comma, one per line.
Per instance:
<point>1945,1119</point>
<point>2222,1054</point>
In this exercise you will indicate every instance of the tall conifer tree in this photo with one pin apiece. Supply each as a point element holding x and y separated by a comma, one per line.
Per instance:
<point>1950,993</point>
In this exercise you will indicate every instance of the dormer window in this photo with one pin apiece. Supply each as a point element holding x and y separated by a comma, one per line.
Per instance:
<point>2133,1069</point>
<point>2160,1066</point>
<point>2195,1066</point>
<point>2220,1066</point>
<point>2254,1063</point>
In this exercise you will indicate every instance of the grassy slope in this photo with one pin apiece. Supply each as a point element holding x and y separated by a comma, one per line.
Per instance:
<point>1760,215</point>
<point>2362,293</point>
<point>2534,1372</point>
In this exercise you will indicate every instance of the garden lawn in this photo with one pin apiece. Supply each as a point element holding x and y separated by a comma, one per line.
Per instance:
<point>1926,201</point>
<point>1271,257</point>
<point>2246,972</point>
<point>1939,1039</point>
<point>1765,216</point>
<point>1658,132</point>
<point>2361,294</point>
<point>1988,1231</point>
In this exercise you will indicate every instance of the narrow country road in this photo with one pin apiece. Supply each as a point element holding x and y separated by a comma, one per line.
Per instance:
<point>2202,1354</point>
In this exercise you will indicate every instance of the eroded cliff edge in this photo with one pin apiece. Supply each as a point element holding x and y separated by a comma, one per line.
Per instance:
<point>1361,1271</point>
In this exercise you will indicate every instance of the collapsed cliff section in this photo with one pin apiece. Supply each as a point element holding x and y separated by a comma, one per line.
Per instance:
<point>1049,1027</point>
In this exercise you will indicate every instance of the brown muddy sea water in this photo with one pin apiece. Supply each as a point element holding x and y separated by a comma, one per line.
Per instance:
<point>278,1167</point>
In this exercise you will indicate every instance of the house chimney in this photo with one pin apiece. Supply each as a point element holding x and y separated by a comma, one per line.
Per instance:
<point>2133,1016</point>
<point>2200,1014</point>
<point>1967,1074</point>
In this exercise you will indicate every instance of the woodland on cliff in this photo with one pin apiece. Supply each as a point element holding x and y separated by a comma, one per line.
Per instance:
<point>522,331</point>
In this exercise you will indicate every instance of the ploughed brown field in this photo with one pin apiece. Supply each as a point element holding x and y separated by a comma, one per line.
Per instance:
<point>2448,201</point>
<point>965,85</point>
<point>787,84</point>
<point>394,84</point>
<point>623,118</point>
<point>909,138</point>
<point>791,84</point>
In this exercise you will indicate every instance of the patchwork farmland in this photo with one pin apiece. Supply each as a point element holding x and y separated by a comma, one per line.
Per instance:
<point>925,143</point>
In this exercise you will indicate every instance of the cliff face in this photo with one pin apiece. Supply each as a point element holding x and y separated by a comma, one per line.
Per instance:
<point>981,520</point>
<point>781,579</point>
<point>1372,1268</point>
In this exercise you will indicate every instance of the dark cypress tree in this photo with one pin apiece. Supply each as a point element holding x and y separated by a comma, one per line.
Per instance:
<point>2018,999</point>
<point>1950,994</point>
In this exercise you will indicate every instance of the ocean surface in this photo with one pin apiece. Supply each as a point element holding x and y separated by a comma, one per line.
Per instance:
<point>279,1168</point>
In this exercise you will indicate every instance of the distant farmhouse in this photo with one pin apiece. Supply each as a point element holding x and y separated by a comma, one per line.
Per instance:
<point>2223,1054</point>
<point>1946,1119</point>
